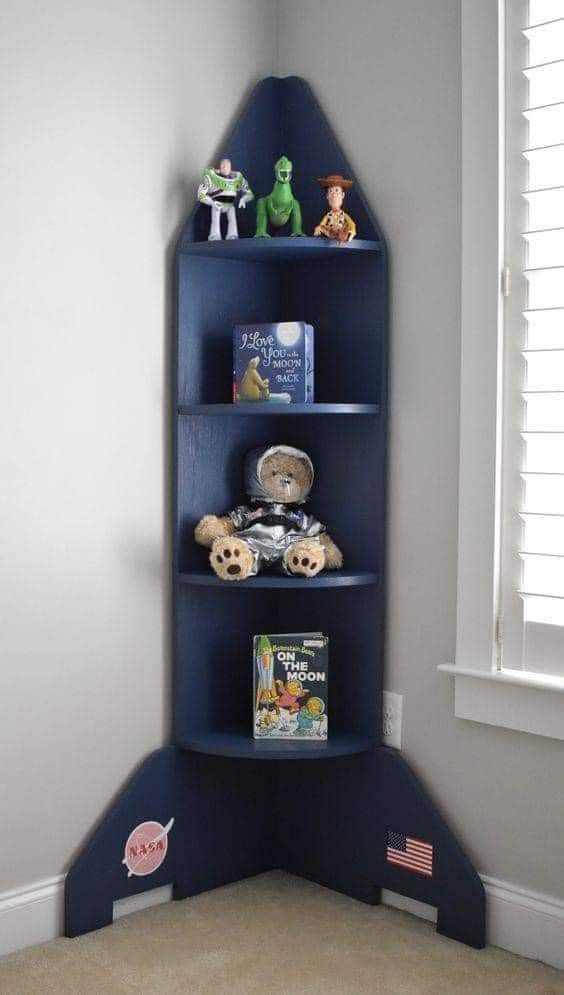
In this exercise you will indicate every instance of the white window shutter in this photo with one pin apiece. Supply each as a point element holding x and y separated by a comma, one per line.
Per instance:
<point>534,630</point>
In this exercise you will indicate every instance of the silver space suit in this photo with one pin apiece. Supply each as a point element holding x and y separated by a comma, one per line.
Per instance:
<point>268,527</point>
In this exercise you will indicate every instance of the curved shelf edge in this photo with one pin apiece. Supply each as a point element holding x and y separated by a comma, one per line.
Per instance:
<point>261,409</point>
<point>336,578</point>
<point>236,743</point>
<point>281,247</point>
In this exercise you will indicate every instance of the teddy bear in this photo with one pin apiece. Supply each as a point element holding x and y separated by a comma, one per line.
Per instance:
<point>273,529</point>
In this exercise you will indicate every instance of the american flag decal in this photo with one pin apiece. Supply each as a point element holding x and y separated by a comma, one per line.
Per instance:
<point>413,854</point>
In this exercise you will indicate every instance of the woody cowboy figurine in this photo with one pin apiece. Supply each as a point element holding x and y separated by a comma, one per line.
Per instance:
<point>336,224</point>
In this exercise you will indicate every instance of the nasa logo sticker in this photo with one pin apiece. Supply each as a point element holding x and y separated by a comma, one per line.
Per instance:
<point>146,848</point>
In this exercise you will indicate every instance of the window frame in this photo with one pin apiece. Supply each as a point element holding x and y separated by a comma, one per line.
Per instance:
<point>483,692</point>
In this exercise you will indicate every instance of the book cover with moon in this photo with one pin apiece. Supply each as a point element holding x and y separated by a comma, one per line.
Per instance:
<point>290,686</point>
<point>273,363</point>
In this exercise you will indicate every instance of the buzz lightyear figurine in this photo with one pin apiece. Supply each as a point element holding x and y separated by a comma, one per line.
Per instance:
<point>224,190</point>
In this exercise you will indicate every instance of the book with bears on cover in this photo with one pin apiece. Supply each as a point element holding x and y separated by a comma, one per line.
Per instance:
<point>290,685</point>
<point>273,363</point>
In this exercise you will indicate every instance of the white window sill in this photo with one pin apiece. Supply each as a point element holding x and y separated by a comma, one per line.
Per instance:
<point>521,678</point>
<point>512,699</point>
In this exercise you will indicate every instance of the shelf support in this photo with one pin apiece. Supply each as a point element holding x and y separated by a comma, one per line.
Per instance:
<point>98,877</point>
<point>343,833</point>
<point>237,818</point>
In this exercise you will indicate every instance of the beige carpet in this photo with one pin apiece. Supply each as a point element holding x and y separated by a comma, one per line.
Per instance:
<point>272,934</point>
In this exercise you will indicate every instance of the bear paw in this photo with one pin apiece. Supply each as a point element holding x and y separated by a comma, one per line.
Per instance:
<point>231,558</point>
<point>305,558</point>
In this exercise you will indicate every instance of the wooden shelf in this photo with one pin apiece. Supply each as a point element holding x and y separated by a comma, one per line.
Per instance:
<point>278,249</point>
<point>261,409</point>
<point>239,743</point>
<point>333,578</point>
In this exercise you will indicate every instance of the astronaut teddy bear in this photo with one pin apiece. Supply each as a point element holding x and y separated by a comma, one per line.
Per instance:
<point>273,529</point>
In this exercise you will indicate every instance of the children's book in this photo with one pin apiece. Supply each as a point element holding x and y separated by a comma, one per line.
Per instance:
<point>290,686</point>
<point>273,363</point>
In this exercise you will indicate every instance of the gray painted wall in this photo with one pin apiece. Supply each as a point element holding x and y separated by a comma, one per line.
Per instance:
<point>108,112</point>
<point>388,76</point>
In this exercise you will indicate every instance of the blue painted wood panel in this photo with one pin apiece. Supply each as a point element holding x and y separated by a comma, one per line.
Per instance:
<point>280,248</point>
<point>272,410</point>
<point>242,807</point>
<point>329,578</point>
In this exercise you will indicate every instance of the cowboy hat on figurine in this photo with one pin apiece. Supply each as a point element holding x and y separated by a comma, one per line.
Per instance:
<point>336,224</point>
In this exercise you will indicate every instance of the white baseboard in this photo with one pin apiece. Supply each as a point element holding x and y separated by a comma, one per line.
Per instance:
<point>136,903</point>
<point>32,914</point>
<point>410,905</point>
<point>524,922</point>
<point>35,913</point>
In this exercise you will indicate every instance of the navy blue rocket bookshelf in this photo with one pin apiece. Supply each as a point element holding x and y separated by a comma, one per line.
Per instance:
<point>235,815</point>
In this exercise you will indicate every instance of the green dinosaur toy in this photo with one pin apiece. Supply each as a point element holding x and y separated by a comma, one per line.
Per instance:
<point>280,206</point>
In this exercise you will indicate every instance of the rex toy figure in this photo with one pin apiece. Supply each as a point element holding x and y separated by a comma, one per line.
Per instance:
<point>280,206</point>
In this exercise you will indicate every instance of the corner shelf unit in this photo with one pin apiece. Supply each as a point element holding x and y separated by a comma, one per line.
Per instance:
<point>234,814</point>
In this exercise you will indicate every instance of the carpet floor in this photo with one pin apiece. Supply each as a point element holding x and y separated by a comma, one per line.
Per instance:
<point>273,935</point>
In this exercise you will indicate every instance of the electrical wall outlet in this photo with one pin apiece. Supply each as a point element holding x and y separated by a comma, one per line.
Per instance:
<point>391,719</point>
